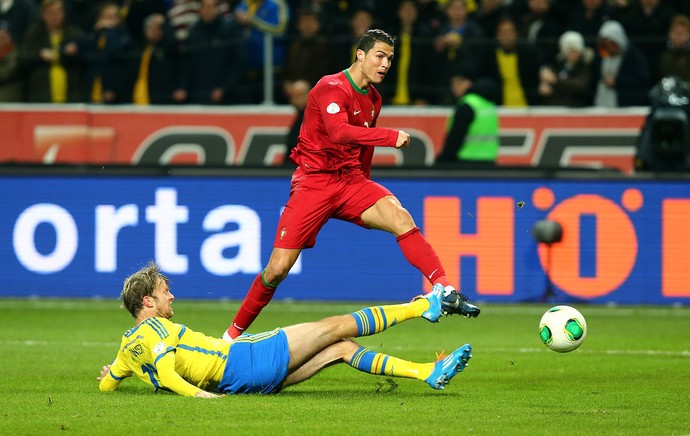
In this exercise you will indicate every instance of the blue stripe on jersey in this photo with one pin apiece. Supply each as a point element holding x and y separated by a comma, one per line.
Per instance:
<point>157,326</point>
<point>182,330</point>
<point>202,350</point>
<point>167,350</point>
<point>147,368</point>
<point>115,377</point>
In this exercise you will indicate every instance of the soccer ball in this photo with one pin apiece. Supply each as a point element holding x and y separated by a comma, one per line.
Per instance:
<point>562,328</point>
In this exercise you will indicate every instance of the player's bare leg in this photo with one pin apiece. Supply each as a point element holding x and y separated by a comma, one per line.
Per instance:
<point>331,355</point>
<point>280,263</point>
<point>306,340</point>
<point>389,215</point>
<point>314,346</point>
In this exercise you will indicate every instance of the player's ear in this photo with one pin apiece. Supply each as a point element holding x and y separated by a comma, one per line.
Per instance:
<point>360,55</point>
<point>148,300</point>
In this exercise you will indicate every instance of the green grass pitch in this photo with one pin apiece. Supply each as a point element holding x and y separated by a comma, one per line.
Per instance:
<point>631,376</point>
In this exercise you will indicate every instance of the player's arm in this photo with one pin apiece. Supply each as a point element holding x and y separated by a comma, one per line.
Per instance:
<point>170,379</point>
<point>112,375</point>
<point>333,106</point>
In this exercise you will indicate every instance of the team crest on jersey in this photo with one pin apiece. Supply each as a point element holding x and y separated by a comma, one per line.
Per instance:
<point>283,233</point>
<point>333,108</point>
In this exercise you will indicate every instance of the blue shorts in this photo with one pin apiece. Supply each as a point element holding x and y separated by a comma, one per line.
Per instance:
<point>256,364</point>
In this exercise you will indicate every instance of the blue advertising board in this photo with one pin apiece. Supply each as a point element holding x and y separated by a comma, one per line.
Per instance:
<point>624,241</point>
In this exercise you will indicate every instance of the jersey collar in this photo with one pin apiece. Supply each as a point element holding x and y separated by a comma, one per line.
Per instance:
<point>354,85</point>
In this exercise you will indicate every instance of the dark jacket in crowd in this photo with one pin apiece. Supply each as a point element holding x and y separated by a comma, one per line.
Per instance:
<point>162,71</point>
<point>211,58</point>
<point>36,71</point>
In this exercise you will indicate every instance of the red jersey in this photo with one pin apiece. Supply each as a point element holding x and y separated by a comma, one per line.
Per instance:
<point>337,132</point>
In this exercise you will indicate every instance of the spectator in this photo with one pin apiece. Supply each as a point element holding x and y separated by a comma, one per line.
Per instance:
<point>360,21</point>
<point>212,59</point>
<point>101,52</point>
<point>259,18</point>
<point>182,15</point>
<point>310,53</point>
<point>540,28</point>
<point>621,73</point>
<point>515,67</point>
<point>568,82</point>
<point>21,14</point>
<point>588,18</point>
<point>431,15</point>
<point>457,43</point>
<point>134,14</point>
<point>473,133</point>
<point>336,14</point>
<point>10,83</point>
<point>408,81</point>
<point>646,22</point>
<point>51,76</point>
<point>489,14</point>
<point>297,92</point>
<point>153,70</point>
<point>675,60</point>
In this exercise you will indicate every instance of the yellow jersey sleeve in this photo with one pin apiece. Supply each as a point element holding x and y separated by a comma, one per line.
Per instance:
<point>148,352</point>
<point>118,372</point>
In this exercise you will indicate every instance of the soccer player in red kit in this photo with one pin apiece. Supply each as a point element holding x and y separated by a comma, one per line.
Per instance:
<point>332,180</point>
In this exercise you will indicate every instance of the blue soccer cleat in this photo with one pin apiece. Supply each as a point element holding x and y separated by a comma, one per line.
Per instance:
<point>449,367</point>
<point>454,303</point>
<point>434,312</point>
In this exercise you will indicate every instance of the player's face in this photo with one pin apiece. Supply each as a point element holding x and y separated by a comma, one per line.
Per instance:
<point>163,299</point>
<point>377,61</point>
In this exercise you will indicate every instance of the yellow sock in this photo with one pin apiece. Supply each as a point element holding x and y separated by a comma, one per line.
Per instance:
<point>375,319</point>
<point>378,363</point>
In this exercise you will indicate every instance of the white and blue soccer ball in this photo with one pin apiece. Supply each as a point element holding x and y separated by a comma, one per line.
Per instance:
<point>562,328</point>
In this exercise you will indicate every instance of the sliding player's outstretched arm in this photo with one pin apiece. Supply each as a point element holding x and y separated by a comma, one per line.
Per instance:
<point>112,375</point>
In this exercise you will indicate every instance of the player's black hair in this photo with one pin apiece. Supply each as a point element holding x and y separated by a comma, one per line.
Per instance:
<point>372,36</point>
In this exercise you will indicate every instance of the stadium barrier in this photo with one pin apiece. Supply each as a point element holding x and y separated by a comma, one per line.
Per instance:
<point>79,233</point>
<point>254,136</point>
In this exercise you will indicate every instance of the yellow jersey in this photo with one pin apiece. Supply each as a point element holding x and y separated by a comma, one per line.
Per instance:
<point>168,356</point>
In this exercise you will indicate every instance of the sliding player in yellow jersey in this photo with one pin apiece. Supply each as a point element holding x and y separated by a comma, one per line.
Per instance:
<point>170,356</point>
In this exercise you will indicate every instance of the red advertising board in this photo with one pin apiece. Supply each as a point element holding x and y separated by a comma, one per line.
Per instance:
<point>254,135</point>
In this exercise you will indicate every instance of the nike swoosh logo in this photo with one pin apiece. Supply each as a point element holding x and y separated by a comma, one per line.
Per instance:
<point>356,112</point>
<point>432,273</point>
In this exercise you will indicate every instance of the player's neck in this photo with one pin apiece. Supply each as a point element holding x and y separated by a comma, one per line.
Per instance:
<point>358,77</point>
<point>143,315</point>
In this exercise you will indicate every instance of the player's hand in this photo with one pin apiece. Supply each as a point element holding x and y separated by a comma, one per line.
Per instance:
<point>204,394</point>
<point>403,139</point>
<point>104,371</point>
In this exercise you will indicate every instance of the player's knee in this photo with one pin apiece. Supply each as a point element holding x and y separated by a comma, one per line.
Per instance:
<point>402,221</point>
<point>275,272</point>
<point>274,275</point>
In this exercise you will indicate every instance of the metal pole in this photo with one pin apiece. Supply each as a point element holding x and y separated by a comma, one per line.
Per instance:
<point>268,69</point>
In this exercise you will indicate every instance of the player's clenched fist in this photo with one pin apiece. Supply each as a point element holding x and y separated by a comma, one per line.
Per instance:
<point>403,139</point>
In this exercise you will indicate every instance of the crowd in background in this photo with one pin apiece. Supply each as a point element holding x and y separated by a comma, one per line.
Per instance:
<point>575,53</point>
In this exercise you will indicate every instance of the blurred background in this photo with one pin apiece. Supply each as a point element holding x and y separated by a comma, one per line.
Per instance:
<point>549,156</point>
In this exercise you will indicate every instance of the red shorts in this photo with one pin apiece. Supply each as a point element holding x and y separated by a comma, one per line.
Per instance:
<point>317,197</point>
